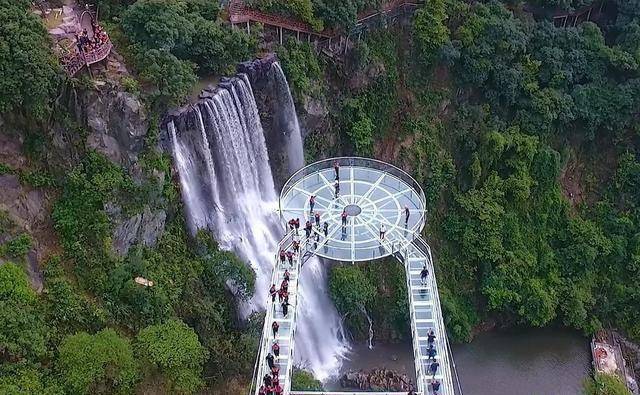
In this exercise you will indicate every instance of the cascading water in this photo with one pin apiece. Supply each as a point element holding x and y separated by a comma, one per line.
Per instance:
<point>366,314</point>
<point>287,118</point>
<point>227,186</point>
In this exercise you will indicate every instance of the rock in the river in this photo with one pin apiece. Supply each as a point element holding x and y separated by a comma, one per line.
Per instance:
<point>145,228</point>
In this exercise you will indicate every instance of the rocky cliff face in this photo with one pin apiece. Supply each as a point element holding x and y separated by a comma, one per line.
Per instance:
<point>115,121</point>
<point>104,118</point>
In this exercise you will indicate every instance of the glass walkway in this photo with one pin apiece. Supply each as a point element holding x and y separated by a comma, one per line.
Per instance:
<point>357,209</point>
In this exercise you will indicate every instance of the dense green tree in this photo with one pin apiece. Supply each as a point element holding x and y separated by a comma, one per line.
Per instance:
<point>23,334</point>
<point>350,290</point>
<point>605,384</point>
<point>173,350</point>
<point>26,379</point>
<point>29,73</point>
<point>304,381</point>
<point>431,32</point>
<point>171,77</point>
<point>97,364</point>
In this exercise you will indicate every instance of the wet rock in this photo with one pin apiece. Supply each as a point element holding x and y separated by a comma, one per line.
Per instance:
<point>125,234</point>
<point>145,229</point>
<point>118,124</point>
<point>258,68</point>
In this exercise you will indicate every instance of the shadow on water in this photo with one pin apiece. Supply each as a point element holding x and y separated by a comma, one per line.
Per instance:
<point>518,362</point>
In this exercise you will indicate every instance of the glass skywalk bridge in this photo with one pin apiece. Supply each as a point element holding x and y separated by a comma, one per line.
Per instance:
<point>371,209</point>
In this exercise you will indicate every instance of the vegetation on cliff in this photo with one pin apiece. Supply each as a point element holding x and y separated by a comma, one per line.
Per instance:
<point>524,136</point>
<point>93,328</point>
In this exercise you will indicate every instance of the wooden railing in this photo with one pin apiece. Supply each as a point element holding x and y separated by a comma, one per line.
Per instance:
<point>82,58</point>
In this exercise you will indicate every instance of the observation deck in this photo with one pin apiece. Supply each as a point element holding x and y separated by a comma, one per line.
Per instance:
<point>372,193</point>
<point>366,219</point>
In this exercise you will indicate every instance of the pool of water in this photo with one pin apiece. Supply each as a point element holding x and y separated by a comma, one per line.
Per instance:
<point>518,362</point>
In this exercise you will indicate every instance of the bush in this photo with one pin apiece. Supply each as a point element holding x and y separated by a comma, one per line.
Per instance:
<point>304,381</point>
<point>97,364</point>
<point>173,350</point>
<point>17,247</point>
<point>605,384</point>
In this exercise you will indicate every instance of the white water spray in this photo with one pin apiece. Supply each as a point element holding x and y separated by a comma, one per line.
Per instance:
<point>227,186</point>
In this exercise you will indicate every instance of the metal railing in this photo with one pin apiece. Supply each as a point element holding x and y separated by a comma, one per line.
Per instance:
<point>447,384</point>
<point>284,244</point>
<point>354,162</point>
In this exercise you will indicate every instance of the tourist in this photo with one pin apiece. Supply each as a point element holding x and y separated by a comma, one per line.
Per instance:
<point>270,360</point>
<point>263,390</point>
<point>406,215</point>
<point>435,386</point>
<point>308,229</point>
<point>423,275</point>
<point>285,285</point>
<point>271,390</point>
<point>317,220</point>
<point>297,225</point>
<point>431,352</point>
<point>290,258</point>
<point>312,202</point>
<point>267,380</point>
<point>285,308</point>
<point>434,368</point>
<point>325,229</point>
<point>383,230</point>
<point>292,224</point>
<point>286,275</point>
<point>431,337</point>
<point>275,372</point>
<point>276,349</point>
<point>273,292</point>
<point>274,328</point>
<point>277,390</point>
<point>337,188</point>
<point>280,295</point>
<point>344,217</point>
<point>283,256</point>
<point>296,246</point>
<point>336,167</point>
<point>343,236</point>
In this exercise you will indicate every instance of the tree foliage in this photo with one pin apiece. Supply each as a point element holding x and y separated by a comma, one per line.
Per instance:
<point>97,364</point>
<point>173,350</point>
<point>605,384</point>
<point>29,71</point>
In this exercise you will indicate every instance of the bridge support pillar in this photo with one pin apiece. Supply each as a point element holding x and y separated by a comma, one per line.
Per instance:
<point>280,32</point>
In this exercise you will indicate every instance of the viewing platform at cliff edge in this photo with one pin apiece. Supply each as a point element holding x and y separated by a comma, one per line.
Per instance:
<point>356,209</point>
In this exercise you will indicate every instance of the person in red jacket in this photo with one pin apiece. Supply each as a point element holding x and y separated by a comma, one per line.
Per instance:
<point>283,256</point>
<point>290,258</point>
<point>276,349</point>
<point>274,327</point>
<point>273,292</point>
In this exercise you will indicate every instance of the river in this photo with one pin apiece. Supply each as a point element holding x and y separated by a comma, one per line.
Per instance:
<point>522,362</point>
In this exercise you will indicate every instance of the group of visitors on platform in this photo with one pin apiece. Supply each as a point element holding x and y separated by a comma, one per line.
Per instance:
<point>87,44</point>
<point>271,381</point>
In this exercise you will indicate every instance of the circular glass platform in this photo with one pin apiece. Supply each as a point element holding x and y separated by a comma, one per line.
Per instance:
<point>364,207</point>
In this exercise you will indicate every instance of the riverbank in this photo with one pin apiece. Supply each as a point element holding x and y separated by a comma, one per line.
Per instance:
<point>515,362</point>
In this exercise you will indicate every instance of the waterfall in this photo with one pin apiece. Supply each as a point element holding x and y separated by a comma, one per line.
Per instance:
<point>220,153</point>
<point>287,120</point>
<point>366,314</point>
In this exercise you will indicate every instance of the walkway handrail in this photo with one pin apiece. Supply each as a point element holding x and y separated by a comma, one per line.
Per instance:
<point>354,161</point>
<point>285,243</point>
<point>424,247</point>
<point>98,54</point>
<point>414,329</point>
<point>269,313</point>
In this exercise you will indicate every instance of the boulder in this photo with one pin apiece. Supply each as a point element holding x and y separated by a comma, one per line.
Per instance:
<point>145,228</point>
<point>117,122</point>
